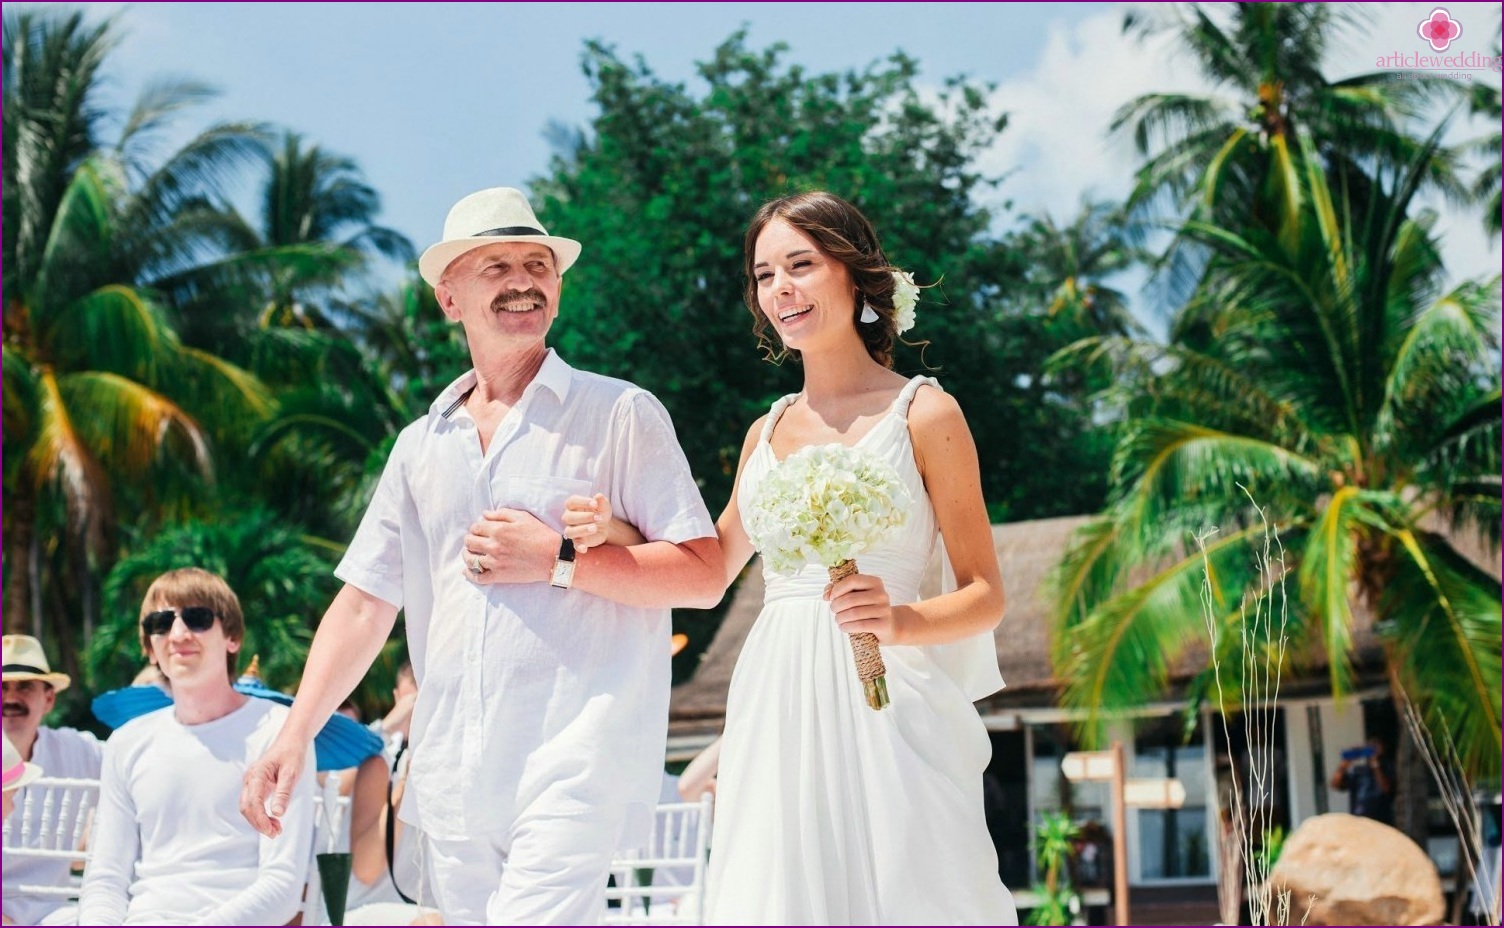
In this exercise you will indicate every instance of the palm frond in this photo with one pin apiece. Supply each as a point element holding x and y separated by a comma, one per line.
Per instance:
<point>61,456</point>
<point>209,162</point>
<point>1166,119</point>
<point>155,107</point>
<point>1463,466</point>
<point>52,63</point>
<point>1328,579</point>
<point>81,236</point>
<point>114,329</point>
<point>1442,616</point>
<point>1167,465</point>
<point>1459,327</point>
<point>130,422</point>
<point>383,241</point>
<point>224,385</point>
<point>20,397</point>
<point>1123,652</point>
<point>1086,575</point>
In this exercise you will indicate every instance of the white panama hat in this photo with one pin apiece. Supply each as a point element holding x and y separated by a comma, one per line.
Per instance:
<point>497,214</point>
<point>25,660</point>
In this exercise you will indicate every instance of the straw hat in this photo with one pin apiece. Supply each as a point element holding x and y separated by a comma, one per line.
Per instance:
<point>499,214</point>
<point>25,660</point>
<point>16,772</point>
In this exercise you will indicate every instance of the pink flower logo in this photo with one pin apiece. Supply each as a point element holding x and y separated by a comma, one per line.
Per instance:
<point>1439,29</point>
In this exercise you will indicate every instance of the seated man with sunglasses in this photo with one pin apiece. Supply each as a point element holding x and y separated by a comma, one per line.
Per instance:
<point>170,844</point>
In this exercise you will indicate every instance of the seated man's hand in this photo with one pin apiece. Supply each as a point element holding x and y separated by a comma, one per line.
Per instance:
<point>401,714</point>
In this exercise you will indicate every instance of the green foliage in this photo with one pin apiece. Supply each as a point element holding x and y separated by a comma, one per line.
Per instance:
<point>107,410</point>
<point>164,357</point>
<point>1055,835</point>
<point>1325,368</point>
<point>660,189</point>
<point>1069,266</point>
<point>1272,845</point>
<point>1318,362</point>
<point>51,124</point>
<point>1229,157</point>
<point>314,237</point>
<point>1486,188</point>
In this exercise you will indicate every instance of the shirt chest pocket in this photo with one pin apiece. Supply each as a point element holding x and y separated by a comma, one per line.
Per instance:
<point>542,496</point>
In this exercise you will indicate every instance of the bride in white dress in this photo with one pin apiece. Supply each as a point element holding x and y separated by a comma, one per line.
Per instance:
<point>828,812</point>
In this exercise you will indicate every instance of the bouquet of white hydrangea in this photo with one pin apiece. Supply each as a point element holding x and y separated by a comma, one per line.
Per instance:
<point>825,505</point>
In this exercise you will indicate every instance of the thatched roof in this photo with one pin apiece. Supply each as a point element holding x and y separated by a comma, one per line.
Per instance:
<point>1026,553</point>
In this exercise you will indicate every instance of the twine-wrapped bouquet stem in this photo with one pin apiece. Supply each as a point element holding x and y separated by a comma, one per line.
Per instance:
<point>825,505</point>
<point>870,668</point>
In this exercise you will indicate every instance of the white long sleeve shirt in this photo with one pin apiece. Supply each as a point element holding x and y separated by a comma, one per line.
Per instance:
<point>64,753</point>
<point>530,698</point>
<point>170,844</point>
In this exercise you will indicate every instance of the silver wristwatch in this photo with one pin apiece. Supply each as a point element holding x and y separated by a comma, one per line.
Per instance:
<point>563,573</point>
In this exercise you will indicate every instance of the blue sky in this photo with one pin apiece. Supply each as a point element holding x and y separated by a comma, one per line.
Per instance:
<point>435,100</point>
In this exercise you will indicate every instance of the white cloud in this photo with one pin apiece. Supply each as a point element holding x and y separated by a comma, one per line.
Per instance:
<point>1056,142</point>
<point>1056,145</point>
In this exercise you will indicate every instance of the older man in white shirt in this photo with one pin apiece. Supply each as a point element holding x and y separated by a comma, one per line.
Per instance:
<point>539,728</point>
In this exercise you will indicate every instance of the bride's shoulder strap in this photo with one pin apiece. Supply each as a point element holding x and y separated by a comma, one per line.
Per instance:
<point>775,413</point>
<point>906,398</point>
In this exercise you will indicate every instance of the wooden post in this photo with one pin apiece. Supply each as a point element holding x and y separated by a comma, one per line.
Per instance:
<point>1119,836</point>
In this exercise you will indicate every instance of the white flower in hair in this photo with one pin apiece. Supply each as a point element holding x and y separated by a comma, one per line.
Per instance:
<point>905,298</point>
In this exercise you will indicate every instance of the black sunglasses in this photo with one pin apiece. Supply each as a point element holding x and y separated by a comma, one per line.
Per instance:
<point>197,618</point>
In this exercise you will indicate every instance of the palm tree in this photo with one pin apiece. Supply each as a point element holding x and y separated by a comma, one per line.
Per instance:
<point>291,278</point>
<point>99,390</point>
<point>407,343</point>
<point>51,125</point>
<point>1055,839</point>
<point>1230,156</point>
<point>1267,58</point>
<point>1072,264</point>
<point>315,197</point>
<point>1486,186</point>
<point>315,235</point>
<point>1358,401</point>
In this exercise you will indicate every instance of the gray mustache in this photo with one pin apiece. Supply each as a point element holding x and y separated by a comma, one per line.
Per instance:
<point>531,294</point>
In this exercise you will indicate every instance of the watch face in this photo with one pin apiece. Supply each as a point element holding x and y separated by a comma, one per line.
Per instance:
<point>563,573</point>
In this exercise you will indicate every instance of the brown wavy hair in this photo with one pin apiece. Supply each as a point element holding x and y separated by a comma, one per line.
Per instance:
<point>841,232</point>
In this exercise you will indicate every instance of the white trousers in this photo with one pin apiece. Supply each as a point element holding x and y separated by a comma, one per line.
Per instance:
<point>545,870</point>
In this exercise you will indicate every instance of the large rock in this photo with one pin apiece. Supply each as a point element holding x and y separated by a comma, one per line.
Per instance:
<point>1361,872</point>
